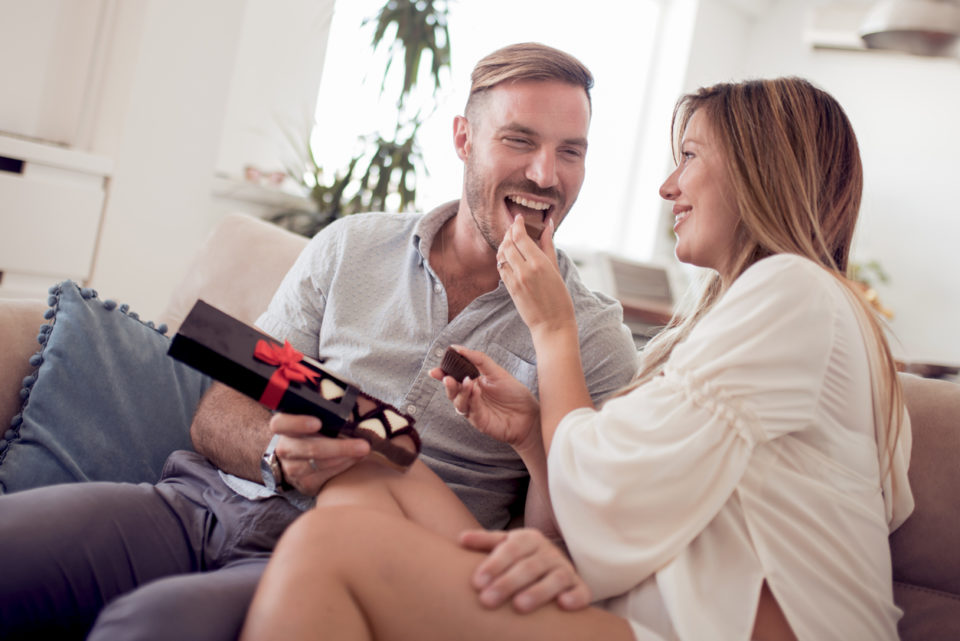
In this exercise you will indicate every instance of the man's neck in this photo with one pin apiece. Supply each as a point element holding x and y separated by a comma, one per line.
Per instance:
<point>464,262</point>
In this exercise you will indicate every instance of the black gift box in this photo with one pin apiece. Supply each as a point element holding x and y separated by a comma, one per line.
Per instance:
<point>245,359</point>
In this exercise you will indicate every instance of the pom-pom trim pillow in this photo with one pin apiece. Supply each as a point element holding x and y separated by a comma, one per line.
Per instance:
<point>105,402</point>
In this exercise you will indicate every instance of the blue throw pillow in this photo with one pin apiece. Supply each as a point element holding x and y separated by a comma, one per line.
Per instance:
<point>106,403</point>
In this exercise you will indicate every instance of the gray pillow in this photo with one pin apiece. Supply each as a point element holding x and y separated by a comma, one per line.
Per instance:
<point>106,403</point>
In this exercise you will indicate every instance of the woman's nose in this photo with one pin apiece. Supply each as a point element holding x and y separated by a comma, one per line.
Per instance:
<point>669,189</point>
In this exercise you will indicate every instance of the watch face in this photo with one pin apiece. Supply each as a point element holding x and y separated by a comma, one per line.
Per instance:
<point>277,473</point>
<point>270,472</point>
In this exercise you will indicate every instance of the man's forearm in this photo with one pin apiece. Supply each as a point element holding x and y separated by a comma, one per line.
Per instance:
<point>231,430</point>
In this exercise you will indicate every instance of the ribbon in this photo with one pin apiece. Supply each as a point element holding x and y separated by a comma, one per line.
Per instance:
<point>289,369</point>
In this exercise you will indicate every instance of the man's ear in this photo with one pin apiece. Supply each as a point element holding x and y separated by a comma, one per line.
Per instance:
<point>462,139</point>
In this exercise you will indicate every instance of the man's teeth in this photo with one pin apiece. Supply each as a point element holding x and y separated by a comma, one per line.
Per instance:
<point>532,204</point>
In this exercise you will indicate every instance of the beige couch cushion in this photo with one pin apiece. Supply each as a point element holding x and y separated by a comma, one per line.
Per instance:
<point>926,556</point>
<point>237,269</point>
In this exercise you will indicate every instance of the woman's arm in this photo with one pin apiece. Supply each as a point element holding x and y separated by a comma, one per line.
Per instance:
<point>532,277</point>
<point>501,407</point>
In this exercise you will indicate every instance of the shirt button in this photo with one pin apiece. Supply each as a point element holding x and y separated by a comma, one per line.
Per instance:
<point>438,288</point>
<point>438,353</point>
<point>411,409</point>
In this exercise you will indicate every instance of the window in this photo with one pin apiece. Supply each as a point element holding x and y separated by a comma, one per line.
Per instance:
<point>614,39</point>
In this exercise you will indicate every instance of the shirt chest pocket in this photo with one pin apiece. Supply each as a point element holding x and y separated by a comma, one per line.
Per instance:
<point>523,370</point>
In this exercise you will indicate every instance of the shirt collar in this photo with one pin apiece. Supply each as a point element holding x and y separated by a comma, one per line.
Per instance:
<point>428,226</point>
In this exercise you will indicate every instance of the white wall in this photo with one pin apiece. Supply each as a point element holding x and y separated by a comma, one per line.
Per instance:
<point>200,101</point>
<point>904,109</point>
<point>167,104</point>
<point>177,96</point>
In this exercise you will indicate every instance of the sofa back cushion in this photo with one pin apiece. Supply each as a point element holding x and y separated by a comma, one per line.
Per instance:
<point>237,269</point>
<point>926,556</point>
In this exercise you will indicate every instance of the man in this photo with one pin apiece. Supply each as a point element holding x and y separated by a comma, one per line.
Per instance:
<point>379,297</point>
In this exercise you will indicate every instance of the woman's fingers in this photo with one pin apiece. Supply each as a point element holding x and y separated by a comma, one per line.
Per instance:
<point>546,243</point>
<point>524,567</point>
<point>558,583</point>
<point>509,256</point>
<point>482,540</point>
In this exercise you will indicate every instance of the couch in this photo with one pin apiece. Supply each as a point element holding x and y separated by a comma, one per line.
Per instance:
<point>244,258</point>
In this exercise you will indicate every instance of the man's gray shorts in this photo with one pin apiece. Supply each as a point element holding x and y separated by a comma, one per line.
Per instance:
<point>176,560</point>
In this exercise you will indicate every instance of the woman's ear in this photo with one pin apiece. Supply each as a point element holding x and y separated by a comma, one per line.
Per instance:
<point>461,137</point>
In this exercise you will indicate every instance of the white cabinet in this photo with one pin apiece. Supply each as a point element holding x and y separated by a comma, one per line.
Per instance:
<point>51,207</point>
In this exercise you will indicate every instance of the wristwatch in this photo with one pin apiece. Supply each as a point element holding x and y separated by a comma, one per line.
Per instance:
<point>270,469</point>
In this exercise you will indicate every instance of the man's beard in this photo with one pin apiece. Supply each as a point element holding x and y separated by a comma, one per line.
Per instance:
<point>474,188</point>
<point>483,212</point>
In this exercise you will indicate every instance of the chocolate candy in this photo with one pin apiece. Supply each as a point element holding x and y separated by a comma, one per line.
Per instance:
<point>458,366</point>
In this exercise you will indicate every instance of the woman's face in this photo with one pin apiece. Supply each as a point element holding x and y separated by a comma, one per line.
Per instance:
<point>705,216</point>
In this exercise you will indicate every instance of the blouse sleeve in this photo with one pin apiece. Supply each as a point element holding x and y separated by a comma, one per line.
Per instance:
<point>635,482</point>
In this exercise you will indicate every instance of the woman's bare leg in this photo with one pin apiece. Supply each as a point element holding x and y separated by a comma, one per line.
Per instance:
<point>417,494</point>
<point>356,573</point>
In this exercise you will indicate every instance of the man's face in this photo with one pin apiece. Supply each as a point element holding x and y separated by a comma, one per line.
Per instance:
<point>524,150</point>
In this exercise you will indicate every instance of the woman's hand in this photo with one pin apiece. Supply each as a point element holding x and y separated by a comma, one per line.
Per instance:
<point>496,404</point>
<point>524,567</point>
<point>532,276</point>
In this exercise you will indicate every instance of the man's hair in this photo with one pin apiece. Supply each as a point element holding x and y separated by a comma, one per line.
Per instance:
<point>526,61</point>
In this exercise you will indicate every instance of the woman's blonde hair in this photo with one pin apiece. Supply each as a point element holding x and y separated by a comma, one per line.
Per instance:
<point>794,167</point>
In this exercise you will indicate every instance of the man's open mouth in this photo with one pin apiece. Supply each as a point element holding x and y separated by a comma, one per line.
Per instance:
<point>534,213</point>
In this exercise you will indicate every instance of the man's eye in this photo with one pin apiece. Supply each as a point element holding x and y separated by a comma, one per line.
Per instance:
<point>516,142</point>
<point>573,153</point>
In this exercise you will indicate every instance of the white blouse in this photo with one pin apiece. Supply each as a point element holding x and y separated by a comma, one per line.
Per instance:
<point>753,457</point>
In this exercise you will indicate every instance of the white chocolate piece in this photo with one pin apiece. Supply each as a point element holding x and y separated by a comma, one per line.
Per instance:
<point>396,421</point>
<point>373,425</point>
<point>330,390</point>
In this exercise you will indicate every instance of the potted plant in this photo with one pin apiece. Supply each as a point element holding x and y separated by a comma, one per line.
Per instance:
<point>387,165</point>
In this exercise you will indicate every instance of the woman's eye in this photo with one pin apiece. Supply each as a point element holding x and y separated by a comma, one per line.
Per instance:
<point>687,155</point>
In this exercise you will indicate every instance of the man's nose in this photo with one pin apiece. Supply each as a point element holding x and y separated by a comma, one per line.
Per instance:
<point>543,168</point>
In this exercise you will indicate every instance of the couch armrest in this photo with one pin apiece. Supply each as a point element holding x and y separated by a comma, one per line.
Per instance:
<point>20,322</point>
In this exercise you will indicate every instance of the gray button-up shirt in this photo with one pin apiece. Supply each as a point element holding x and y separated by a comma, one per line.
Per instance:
<point>363,298</point>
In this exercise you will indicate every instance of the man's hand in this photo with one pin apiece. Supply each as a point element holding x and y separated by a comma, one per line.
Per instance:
<point>309,459</point>
<point>525,568</point>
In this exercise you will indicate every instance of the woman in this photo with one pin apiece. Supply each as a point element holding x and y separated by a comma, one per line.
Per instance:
<point>743,487</point>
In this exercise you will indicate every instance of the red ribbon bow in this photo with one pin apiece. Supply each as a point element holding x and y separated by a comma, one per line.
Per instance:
<point>289,368</point>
